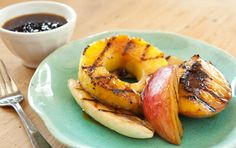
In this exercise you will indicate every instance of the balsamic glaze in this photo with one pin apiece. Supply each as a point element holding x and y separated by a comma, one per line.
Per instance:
<point>194,78</point>
<point>38,22</point>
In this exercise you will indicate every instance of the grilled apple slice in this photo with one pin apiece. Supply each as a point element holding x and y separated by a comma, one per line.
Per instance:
<point>160,106</point>
<point>119,52</point>
<point>122,122</point>
<point>203,90</point>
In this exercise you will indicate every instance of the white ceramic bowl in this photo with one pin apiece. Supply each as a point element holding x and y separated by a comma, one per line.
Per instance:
<point>32,48</point>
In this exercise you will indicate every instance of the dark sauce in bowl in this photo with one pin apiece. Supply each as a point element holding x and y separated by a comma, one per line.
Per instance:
<point>38,22</point>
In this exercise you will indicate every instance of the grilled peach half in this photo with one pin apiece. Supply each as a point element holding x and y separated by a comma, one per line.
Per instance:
<point>203,90</point>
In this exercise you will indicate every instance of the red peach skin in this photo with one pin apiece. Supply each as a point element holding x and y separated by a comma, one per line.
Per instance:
<point>160,107</point>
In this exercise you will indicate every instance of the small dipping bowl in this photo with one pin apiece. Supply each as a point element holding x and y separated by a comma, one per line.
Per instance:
<point>32,48</point>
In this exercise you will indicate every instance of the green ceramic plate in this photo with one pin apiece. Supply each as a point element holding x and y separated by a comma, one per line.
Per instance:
<point>51,99</point>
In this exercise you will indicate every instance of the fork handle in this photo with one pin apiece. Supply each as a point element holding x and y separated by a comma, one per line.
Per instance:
<point>36,139</point>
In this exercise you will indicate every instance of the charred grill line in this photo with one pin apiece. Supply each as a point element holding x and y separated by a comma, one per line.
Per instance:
<point>120,90</point>
<point>167,58</point>
<point>103,83</point>
<point>116,112</point>
<point>102,53</point>
<point>216,95</point>
<point>130,116</point>
<point>194,78</point>
<point>92,100</point>
<point>85,49</point>
<point>151,58</point>
<point>104,77</point>
<point>128,46</point>
<point>79,88</point>
<point>198,99</point>
<point>143,56</point>
<point>144,52</point>
<point>108,45</point>
<point>90,69</point>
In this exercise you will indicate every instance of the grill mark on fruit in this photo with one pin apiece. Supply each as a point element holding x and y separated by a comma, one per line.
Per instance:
<point>108,45</point>
<point>143,56</point>
<point>85,49</point>
<point>79,88</point>
<point>104,77</point>
<point>99,58</point>
<point>89,67</point>
<point>88,99</point>
<point>129,116</point>
<point>102,80</point>
<point>216,95</point>
<point>104,83</point>
<point>145,51</point>
<point>168,57</point>
<point>194,78</point>
<point>152,58</point>
<point>129,45</point>
<point>117,91</point>
<point>116,112</point>
<point>198,99</point>
<point>96,102</point>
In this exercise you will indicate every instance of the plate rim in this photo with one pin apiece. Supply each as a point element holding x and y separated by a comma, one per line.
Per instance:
<point>46,121</point>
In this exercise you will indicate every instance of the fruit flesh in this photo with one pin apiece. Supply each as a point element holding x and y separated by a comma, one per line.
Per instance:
<point>160,104</point>
<point>132,54</point>
<point>120,121</point>
<point>203,90</point>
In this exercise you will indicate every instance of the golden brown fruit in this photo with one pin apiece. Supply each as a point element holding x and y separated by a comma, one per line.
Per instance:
<point>120,121</point>
<point>120,52</point>
<point>173,60</point>
<point>203,90</point>
<point>160,105</point>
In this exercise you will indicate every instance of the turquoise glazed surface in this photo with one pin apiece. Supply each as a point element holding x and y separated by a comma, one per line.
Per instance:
<point>50,97</point>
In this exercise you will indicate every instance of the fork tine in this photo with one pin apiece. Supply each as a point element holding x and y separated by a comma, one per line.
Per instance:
<point>3,89</point>
<point>2,86</point>
<point>6,82</point>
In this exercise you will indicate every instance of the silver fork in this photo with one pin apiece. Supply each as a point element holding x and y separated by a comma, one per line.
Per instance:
<point>10,95</point>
